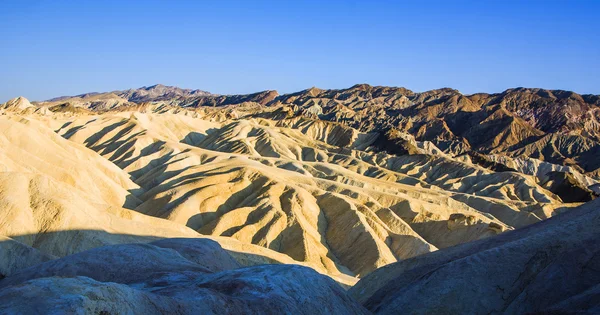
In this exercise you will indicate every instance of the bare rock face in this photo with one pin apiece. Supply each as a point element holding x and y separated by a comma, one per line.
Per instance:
<point>16,255</point>
<point>185,276</point>
<point>547,267</point>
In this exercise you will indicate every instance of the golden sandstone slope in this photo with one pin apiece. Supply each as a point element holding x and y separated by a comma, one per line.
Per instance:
<point>264,182</point>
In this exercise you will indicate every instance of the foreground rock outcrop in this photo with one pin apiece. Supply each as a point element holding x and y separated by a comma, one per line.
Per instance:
<point>183,276</point>
<point>549,267</point>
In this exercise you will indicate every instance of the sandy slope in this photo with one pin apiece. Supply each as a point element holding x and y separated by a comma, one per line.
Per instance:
<point>61,198</point>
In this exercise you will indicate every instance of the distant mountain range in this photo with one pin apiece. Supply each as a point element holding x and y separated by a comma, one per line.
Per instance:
<point>152,93</point>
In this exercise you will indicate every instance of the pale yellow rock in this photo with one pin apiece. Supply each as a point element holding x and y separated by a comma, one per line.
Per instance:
<point>296,190</point>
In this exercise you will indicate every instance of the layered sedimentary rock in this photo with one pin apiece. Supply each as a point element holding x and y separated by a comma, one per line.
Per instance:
<point>277,187</point>
<point>196,189</point>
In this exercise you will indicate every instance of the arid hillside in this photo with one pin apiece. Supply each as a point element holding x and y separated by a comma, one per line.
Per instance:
<point>183,188</point>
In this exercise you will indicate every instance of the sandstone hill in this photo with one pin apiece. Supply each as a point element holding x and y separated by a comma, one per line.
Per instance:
<point>340,182</point>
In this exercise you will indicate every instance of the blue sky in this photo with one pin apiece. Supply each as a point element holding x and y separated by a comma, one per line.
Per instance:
<point>53,48</point>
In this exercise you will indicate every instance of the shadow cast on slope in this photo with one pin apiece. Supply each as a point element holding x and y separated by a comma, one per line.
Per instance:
<point>27,250</point>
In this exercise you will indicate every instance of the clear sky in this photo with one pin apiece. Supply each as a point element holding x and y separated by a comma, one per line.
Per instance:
<point>54,48</point>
